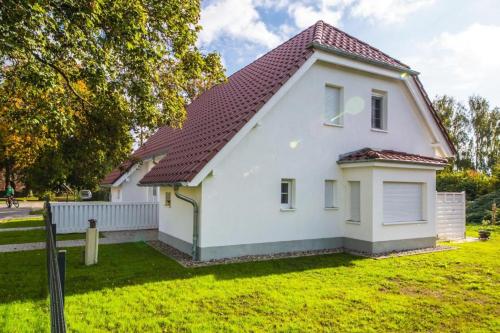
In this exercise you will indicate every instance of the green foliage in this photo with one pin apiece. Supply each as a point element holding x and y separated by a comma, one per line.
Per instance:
<point>480,208</point>
<point>474,183</point>
<point>135,289</point>
<point>79,78</point>
<point>474,130</point>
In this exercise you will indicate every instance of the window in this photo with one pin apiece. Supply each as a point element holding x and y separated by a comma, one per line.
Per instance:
<point>403,202</point>
<point>118,194</point>
<point>332,112</point>
<point>354,201</point>
<point>155,191</point>
<point>168,199</point>
<point>330,194</point>
<point>287,195</point>
<point>379,117</point>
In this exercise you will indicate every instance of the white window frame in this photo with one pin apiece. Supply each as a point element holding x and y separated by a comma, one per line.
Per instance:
<point>351,219</point>
<point>338,114</point>
<point>383,112</point>
<point>290,204</point>
<point>331,203</point>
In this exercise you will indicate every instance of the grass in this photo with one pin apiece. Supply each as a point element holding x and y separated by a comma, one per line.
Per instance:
<point>37,211</point>
<point>21,223</point>
<point>32,236</point>
<point>134,288</point>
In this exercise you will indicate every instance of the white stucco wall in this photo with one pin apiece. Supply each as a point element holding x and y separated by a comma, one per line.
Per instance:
<point>364,229</point>
<point>128,191</point>
<point>241,201</point>
<point>177,220</point>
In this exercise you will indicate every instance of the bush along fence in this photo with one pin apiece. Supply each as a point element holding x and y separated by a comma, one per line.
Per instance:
<point>56,269</point>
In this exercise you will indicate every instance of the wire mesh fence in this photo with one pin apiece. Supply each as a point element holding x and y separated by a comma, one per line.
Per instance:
<point>55,271</point>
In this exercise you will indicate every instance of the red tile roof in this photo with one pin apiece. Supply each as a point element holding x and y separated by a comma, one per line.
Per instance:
<point>370,155</point>
<point>220,112</point>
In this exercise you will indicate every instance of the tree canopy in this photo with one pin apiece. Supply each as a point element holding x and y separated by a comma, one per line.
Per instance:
<point>475,131</point>
<point>78,78</point>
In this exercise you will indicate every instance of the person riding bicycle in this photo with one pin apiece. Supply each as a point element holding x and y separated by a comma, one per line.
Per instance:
<point>9,193</point>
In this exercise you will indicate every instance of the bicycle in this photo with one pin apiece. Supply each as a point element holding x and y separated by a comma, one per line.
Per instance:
<point>12,202</point>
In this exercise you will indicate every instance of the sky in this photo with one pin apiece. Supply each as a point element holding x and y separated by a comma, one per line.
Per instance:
<point>454,44</point>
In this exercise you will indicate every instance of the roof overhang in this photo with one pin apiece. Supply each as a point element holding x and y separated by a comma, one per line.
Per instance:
<point>163,184</point>
<point>125,175</point>
<point>382,163</point>
<point>349,55</point>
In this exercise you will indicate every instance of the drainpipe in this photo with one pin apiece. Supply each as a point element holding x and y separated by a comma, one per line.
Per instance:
<point>194,250</point>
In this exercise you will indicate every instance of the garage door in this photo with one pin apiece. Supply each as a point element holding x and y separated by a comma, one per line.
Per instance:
<point>402,202</point>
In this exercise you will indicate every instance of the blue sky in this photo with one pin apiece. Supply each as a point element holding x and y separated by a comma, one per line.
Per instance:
<point>455,44</point>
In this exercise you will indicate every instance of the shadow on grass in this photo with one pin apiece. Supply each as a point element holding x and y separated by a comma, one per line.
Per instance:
<point>23,274</point>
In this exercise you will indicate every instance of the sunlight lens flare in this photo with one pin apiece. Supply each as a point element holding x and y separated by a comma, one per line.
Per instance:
<point>294,144</point>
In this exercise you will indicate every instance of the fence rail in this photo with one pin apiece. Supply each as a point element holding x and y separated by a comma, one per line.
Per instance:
<point>111,216</point>
<point>450,215</point>
<point>55,275</point>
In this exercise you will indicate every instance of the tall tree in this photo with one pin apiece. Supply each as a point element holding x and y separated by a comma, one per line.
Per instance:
<point>474,130</point>
<point>82,76</point>
<point>486,128</point>
<point>455,118</point>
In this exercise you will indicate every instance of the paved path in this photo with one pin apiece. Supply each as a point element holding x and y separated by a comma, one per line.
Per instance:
<point>111,237</point>
<point>23,211</point>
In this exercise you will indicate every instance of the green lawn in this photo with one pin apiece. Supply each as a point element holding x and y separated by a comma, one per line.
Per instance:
<point>134,288</point>
<point>31,236</point>
<point>18,223</point>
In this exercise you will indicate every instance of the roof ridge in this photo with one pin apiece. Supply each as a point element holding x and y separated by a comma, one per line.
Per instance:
<point>318,32</point>
<point>362,42</point>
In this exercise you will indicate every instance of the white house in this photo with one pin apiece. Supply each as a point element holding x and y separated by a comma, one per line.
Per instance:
<point>323,142</point>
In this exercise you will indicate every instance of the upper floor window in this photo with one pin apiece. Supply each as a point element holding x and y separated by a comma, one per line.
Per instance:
<point>379,111</point>
<point>332,114</point>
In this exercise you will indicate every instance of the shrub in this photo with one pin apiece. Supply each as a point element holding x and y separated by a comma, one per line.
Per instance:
<point>474,183</point>
<point>480,209</point>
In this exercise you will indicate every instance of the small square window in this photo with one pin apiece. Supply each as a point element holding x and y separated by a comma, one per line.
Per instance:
<point>330,194</point>
<point>287,193</point>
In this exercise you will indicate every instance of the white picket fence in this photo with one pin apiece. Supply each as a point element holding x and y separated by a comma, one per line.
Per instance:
<point>450,215</point>
<point>111,216</point>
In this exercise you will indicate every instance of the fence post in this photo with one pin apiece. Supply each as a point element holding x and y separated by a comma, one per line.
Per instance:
<point>61,262</point>
<point>54,232</point>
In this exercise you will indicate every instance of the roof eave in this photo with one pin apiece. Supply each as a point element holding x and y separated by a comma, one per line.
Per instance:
<point>333,50</point>
<point>172,184</point>
<point>438,165</point>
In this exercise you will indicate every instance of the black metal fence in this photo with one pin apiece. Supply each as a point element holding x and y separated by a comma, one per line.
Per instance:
<point>56,269</point>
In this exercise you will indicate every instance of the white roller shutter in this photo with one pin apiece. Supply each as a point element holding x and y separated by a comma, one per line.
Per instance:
<point>402,202</point>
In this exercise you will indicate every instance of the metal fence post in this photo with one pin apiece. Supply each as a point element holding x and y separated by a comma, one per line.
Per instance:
<point>54,232</point>
<point>61,262</point>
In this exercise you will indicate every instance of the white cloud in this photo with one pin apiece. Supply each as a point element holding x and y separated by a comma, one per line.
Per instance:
<point>461,64</point>
<point>387,11</point>
<point>273,4</point>
<point>306,13</point>
<point>238,19</point>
